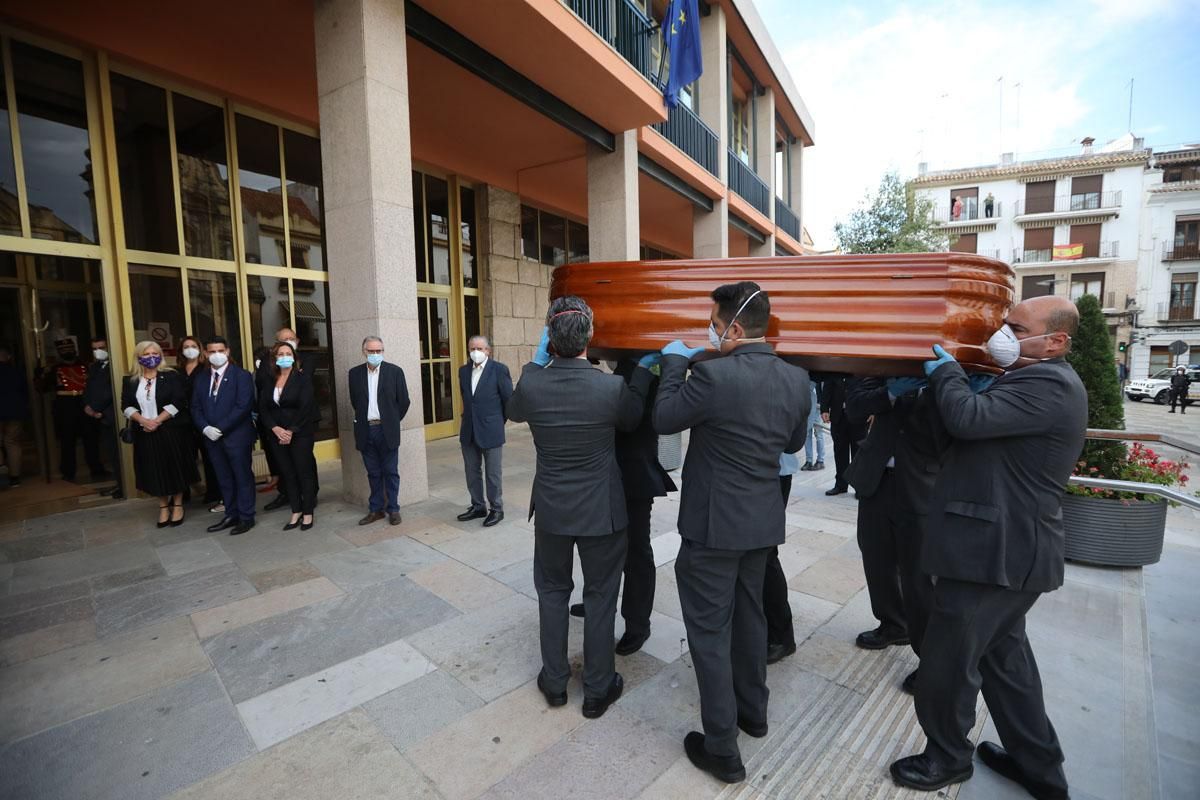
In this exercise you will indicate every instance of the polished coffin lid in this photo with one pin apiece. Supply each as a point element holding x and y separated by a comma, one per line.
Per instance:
<point>863,314</point>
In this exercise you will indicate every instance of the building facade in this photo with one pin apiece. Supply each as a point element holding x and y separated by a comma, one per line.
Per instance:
<point>411,169</point>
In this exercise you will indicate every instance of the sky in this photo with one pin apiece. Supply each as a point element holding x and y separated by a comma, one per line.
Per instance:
<point>955,84</point>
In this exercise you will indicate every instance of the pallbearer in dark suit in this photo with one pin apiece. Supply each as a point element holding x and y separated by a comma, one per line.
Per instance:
<point>846,433</point>
<point>486,386</point>
<point>379,396</point>
<point>221,409</point>
<point>573,411</point>
<point>995,543</point>
<point>743,410</point>
<point>98,406</point>
<point>288,409</point>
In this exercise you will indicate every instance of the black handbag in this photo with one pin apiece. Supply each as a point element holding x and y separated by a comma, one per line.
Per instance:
<point>127,433</point>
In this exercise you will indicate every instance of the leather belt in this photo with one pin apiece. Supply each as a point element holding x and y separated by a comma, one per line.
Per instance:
<point>66,393</point>
<point>374,422</point>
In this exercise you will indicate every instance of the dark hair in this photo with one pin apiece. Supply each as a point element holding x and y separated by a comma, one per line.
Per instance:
<point>275,351</point>
<point>95,339</point>
<point>570,322</point>
<point>216,340</point>
<point>1063,320</point>
<point>181,359</point>
<point>754,317</point>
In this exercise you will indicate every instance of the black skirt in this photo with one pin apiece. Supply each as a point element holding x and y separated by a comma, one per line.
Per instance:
<point>164,461</point>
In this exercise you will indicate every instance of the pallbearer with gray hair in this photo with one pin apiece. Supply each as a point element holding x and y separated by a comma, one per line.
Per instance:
<point>486,386</point>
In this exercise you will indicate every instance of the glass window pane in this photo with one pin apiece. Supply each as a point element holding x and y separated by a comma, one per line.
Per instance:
<point>437,229</point>
<point>203,178</point>
<point>144,165</point>
<point>427,392</point>
<point>269,311</point>
<point>54,144</point>
<point>157,298</point>
<point>529,232</point>
<point>554,239</point>
<point>439,327</point>
<point>578,242</point>
<point>262,202</point>
<point>467,226</point>
<point>213,297</point>
<point>419,226</point>
<point>10,212</point>
<point>302,155</point>
<point>423,323</point>
<point>443,391</point>
<point>473,322</point>
<point>316,353</point>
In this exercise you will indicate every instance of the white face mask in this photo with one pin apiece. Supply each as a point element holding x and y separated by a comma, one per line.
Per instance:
<point>295,343</point>
<point>191,352</point>
<point>1005,348</point>
<point>716,341</point>
<point>100,355</point>
<point>218,360</point>
<point>478,356</point>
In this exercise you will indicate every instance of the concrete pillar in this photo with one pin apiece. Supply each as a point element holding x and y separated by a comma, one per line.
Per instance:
<point>795,173</point>
<point>362,88</point>
<point>612,189</point>
<point>764,124</point>
<point>710,229</point>
<point>515,288</point>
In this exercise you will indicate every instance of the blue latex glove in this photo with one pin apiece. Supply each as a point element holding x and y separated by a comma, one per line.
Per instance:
<point>678,348</point>
<point>898,387</point>
<point>979,381</point>
<point>649,360</point>
<point>942,358</point>
<point>541,356</point>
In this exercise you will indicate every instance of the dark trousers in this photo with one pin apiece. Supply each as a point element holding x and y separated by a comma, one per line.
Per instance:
<point>71,426</point>
<point>976,640</point>
<point>212,484</point>
<point>106,438</point>
<point>383,471</point>
<point>637,601</point>
<point>878,541</point>
<point>775,589</point>
<point>1178,396</point>
<point>297,471</point>
<point>846,437</point>
<point>915,585</point>
<point>601,558</point>
<point>479,461</point>
<point>234,465</point>
<point>720,592</point>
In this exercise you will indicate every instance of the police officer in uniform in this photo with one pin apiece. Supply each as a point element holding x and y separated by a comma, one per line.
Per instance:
<point>68,380</point>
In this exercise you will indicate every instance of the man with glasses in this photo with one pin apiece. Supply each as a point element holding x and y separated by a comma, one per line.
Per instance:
<point>379,396</point>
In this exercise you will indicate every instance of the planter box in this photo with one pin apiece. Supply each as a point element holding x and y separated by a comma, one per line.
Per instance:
<point>1113,533</point>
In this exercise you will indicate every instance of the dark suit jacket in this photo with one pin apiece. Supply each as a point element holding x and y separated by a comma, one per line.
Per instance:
<point>744,409</point>
<point>230,412</point>
<point>996,516</point>
<point>834,389</point>
<point>392,398</point>
<point>297,410</point>
<point>637,450</point>
<point>572,410</point>
<point>170,389</point>
<point>483,412</point>
<point>98,393</point>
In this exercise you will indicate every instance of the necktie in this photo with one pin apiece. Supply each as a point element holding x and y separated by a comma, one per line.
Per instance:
<point>216,383</point>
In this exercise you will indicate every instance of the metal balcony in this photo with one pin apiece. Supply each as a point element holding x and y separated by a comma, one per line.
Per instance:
<point>688,132</point>
<point>1178,314</point>
<point>944,215</point>
<point>1106,250</point>
<point>1180,252</point>
<point>787,221</point>
<point>748,185</point>
<point>1069,204</point>
<point>622,24</point>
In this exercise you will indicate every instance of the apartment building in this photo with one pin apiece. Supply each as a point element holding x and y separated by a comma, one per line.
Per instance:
<point>409,168</point>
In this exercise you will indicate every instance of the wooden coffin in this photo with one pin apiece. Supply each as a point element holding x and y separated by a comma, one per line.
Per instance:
<point>862,314</point>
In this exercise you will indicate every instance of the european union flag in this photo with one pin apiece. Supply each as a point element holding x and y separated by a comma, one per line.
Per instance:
<point>681,37</point>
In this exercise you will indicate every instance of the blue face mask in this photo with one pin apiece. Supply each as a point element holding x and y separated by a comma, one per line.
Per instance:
<point>374,359</point>
<point>284,362</point>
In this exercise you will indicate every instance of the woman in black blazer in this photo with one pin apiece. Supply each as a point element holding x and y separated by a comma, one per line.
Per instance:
<point>288,409</point>
<point>155,401</point>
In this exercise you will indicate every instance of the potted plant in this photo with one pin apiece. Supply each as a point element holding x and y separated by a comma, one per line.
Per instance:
<point>1109,528</point>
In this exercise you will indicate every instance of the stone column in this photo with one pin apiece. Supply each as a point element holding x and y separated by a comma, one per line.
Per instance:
<point>362,87</point>
<point>514,287</point>
<point>764,164</point>
<point>612,188</point>
<point>710,229</point>
<point>795,173</point>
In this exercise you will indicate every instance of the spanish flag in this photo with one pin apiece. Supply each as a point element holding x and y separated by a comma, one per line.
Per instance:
<point>1066,252</point>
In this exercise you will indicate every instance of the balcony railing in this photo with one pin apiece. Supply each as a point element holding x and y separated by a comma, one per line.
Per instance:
<point>622,24</point>
<point>686,131</point>
<point>751,187</point>
<point>945,214</point>
<point>788,222</point>
<point>1176,313</point>
<point>1180,252</point>
<point>1063,204</point>
<point>1024,256</point>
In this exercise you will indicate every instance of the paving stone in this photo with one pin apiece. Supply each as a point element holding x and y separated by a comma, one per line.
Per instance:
<point>499,737</point>
<point>795,557</point>
<point>191,556</point>
<point>49,544</point>
<point>415,710</point>
<point>93,562</point>
<point>56,688</point>
<point>132,751</point>
<point>1080,608</point>
<point>111,533</point>
<point>26,646</point>
<point>518,577</point>
<point>125,578</point>
<point>233,615</point>
<point>670,700</point>
<point>439,532</point>
<point>814,540</point>
<point>284,576</point>
<point>460,586</point>
<point>668,638</point>
<point>269,653</point>
<point>809,613</point>
<point>682,781</point>
<point>287,710</point>
<point>666,548</point>
<point>833,577</point>
<point>666,592</point>
<point>133,607</point>
<point>264,549</point>
<point>364,566</point>
<point>346,757</point>
<point>825,655</point>
<point>592,751</point>
<point>20,603</point>
<point>45,617</point>
<point>489,549</point>
<point>363,535</point>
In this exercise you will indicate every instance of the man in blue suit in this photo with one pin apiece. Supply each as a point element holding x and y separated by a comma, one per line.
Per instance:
<point>379,396</point>
<point>221,407</point>
<point>486,386</point>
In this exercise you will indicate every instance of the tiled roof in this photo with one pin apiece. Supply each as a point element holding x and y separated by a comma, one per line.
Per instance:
<point>1047,165</point>
<point>1177,186</point>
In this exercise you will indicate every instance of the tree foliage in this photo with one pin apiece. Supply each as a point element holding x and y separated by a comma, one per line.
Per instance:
<point>893,220</point>
<point>1092,357</point>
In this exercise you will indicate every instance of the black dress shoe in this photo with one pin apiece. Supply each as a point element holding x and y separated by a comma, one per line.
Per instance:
<point>756,729</point>
<point>226,522</point>
<point>493,518</point>
<point>279,502</point>
<point>594,707</point>
<point>998,759</point>
<point>837,489</point>
<point>394,518</point>
<point>778,652</point>
<point>117,494</point>
<point>729,769</point>
<point>242,527</point>
<point>553,698</point>
<point>291,526</point>
<point>630,643</point>
<point>472,513</point>
<point>923,773</point>
<point>373,516</point>
<point>880,638</point>
<point>909,686</point>
<point>577,610</point>
<point>307,526</point>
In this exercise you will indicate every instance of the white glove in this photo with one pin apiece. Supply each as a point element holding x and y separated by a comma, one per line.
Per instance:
<point>212,433</point>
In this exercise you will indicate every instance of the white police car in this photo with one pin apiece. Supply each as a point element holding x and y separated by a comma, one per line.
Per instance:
<point>1158,386</point>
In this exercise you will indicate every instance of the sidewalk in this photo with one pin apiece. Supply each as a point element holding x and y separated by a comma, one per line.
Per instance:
<point>399,662</point>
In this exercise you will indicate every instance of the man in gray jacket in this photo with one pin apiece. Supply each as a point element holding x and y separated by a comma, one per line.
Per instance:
<point>743,410</point>
<point>573,412</point>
